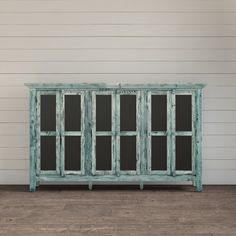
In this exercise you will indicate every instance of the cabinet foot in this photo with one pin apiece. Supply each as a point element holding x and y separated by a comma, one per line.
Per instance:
<point>141,185</point>
<point>32,188</point>
<point>198,185</point>
<point>90,186</point>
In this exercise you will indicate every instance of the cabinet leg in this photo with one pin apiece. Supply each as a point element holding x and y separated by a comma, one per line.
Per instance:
<point>141,185</point>
<point>32,187</point>
<point>90,185</point>
<point>33,183</point>
<point>198,184</point>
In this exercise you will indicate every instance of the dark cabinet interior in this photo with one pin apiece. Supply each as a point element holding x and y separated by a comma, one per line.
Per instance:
<point>72,113</point>
<point>48,113</point>
<point>128,153</point>
<point>48,152</point>
<point>72,153</point>
<point>159,112</point>
<point>103,112</point>
<point>103,152</point>
<point>127,112</point>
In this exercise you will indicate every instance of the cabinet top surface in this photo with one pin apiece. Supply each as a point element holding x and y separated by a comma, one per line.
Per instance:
<point>112,86</point>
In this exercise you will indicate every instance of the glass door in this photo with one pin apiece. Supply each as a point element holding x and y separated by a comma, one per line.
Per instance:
<point>159,135</point>
<point>103,133</point>
<point>72,133</point>
<point>183,135</point>
<point>128,132</point>
<point>48,132</point>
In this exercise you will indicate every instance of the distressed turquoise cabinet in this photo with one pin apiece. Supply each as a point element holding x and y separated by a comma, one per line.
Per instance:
<point>98,133</point>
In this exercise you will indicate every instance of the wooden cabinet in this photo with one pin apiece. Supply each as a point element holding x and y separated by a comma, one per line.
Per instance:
<point>96,133</point>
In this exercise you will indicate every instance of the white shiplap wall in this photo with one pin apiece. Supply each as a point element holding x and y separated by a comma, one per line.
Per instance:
<point>132,41</point>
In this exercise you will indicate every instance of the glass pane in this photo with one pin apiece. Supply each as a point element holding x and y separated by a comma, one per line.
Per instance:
<point>159,153</point>
<point>183,112</point>
<point>183,153</point>
<point>48,113</point>
<point>72,113</point>
<point>128,153</point>
<point>103,112</point>
<point>128,112</point>
<point>103,153</point>
<point>48,152</point>
<point>72,153</point>
<point>159,112</point>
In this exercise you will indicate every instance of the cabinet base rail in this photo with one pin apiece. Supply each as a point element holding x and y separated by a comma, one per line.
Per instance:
<point>116,180</point>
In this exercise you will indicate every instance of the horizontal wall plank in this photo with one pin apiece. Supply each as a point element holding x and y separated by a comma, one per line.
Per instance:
<point>219,128</point>
<point>122,5</point>
<point>212,164</point>
<point>14,141</point>
<point>219,141</point>
<point>121,18</point>
<point>9,104</point>
<point>14,129</point>
<point>219,153</point>
<point>219,177</point>
<point>219,104</point>
<point>117,30</point>
<point>220,92</point>
<point>116,42</point>
<point>148,55</point>
<point>219,116</point>
<point>14,116</point>
<point>18,80</point>
<point>14,177</point>
<point>19,92</point>
<point>14,153</point>
<point>117,67</point>
<point>6,164</point>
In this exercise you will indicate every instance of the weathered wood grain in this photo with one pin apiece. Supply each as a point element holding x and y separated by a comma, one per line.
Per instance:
<point>113,210</point>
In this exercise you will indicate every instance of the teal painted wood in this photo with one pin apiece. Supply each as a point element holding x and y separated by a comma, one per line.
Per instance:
<point>88,133</point>
<point>108,87</point>
<point>198,147</point>
<point>172,120</point>
<point>32,139</point>
<point>117,130</point>
<point>58,136</point>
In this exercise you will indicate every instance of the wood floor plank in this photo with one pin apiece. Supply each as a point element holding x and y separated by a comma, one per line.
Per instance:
<point>118,210</point>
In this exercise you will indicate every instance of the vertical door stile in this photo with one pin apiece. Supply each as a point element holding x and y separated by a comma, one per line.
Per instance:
<point>142,133</point>
<point>38,129</point>
<point>172,144</point>
<point>117,131</point>
<point>113,133</point>
<point>193,130</point>
<point>169,132</point>
<point>82,137</point>
<point>149,122</point>
<point>93,130</point>
<point>58,132</point>
<point>33,139</point>
<point>88,134</point>
<point>139,114</point>
<point>62,107</point>
<point>198,147</point>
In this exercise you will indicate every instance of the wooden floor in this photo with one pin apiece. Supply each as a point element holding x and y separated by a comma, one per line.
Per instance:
<point>118,210</point>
